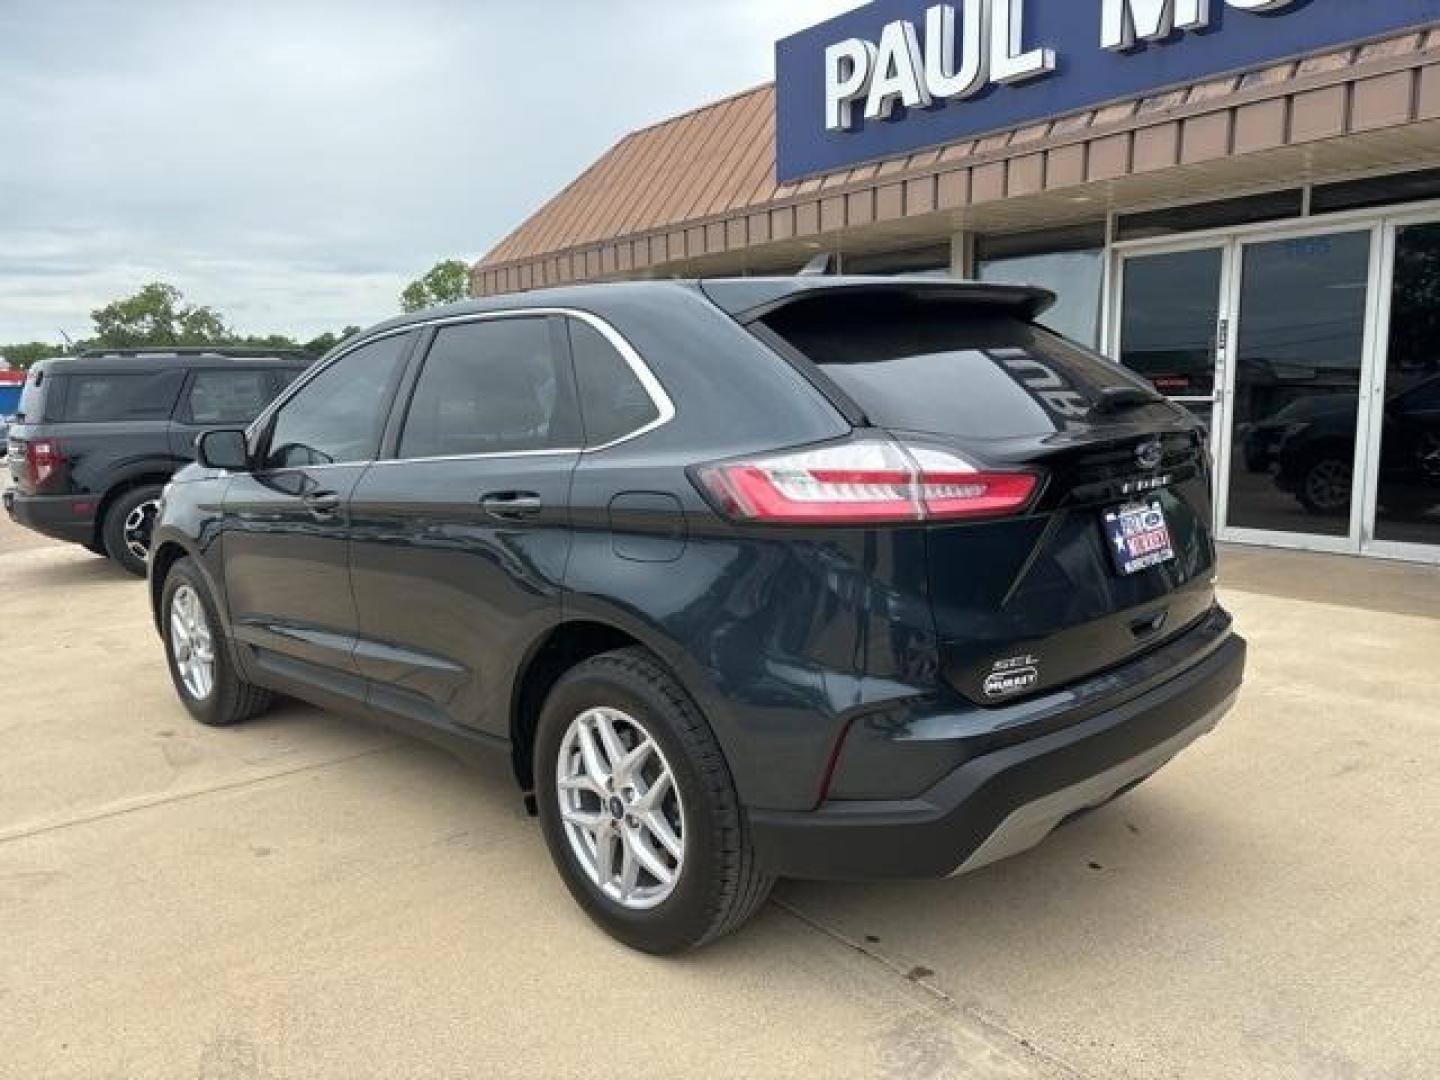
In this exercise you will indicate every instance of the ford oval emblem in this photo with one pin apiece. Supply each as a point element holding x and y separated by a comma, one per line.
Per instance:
<point>1150,454</point>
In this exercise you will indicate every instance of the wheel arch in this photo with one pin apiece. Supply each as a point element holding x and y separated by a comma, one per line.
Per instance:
<point>143,478</point>
<point>168,551</point>
<point>559,649</point>
<point>166,554</point>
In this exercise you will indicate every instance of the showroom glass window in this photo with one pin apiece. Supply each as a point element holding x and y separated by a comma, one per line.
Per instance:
<point>495,386</point>
<point>931,260</point>
<point>337,417</point>
<point>1069,262</point>
<point>1408,503</point>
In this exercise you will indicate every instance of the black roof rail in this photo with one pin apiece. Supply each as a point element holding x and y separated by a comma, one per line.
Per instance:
<point>236,352</point>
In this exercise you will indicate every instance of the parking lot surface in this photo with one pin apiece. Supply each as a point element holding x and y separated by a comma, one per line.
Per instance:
<point>306,896</point>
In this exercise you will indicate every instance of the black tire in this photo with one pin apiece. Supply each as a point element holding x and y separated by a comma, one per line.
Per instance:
<point>231,699</point>
<point>719,886</point>
<point>113,530</point>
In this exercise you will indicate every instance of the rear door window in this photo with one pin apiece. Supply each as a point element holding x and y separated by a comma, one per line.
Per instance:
<point>496,386</point>
<point>950,367</point>
<point>99,397</point>
<point>229,397</point>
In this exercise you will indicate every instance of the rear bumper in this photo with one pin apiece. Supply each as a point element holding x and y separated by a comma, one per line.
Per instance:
<point>53,515</point>
<point>1003,802</point>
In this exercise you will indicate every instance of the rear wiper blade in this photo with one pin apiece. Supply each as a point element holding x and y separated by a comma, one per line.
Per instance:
<point>1115,399</point>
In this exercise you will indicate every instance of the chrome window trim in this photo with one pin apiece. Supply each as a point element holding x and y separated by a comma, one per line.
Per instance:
<point>664,406</point>
<point>547,452</point>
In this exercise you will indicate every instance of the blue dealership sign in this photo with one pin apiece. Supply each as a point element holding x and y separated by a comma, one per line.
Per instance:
<point>896,76</point>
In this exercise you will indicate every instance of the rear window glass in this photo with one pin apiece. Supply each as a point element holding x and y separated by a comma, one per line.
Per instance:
<point>948,367</point>
<point>33,395</point>
<point>97,397</point>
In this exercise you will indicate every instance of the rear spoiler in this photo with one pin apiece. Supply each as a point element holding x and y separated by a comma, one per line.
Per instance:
<point>749,299</point>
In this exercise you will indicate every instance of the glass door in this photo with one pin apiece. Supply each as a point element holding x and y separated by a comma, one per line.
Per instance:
<point>1403,508</point>
<point>1304,314</point>
<point>1170,323</point>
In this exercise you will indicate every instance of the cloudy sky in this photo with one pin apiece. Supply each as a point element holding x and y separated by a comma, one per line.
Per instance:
<point>294,162</point>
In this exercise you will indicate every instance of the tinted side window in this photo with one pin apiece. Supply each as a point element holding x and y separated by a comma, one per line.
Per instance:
<point>96,398</point>
<point>337,416</point>
<point>613,401</point>
<point>491,387</point>
<point>228,397</point>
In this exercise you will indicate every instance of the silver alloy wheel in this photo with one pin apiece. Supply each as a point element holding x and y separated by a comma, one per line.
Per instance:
<point>138,525</point>
<point>1327,486</point>
<point>191,643</point>
<point>620,807</point>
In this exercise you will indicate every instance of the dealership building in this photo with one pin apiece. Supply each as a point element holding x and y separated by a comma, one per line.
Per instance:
<point>1238,199</point>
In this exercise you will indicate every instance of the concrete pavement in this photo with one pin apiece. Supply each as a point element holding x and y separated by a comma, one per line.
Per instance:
<point>304,896</point>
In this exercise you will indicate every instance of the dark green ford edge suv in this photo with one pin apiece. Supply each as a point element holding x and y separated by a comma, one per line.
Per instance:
<point>807,577</point>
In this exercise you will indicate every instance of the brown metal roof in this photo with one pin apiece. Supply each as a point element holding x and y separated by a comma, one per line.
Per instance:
<point>704,182</point>
<point>714,158</point>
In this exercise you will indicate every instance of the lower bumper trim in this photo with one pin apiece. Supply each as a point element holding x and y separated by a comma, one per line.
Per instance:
<point>50,516</point>
<point>1008,800</point>
<point>1033,822</point>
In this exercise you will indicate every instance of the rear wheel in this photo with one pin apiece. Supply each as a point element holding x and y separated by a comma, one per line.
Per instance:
<point>199,653</point>
<point>639,808</point>
<point>127,527</point>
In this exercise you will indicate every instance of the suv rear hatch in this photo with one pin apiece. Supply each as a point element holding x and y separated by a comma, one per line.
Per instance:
<point>1111,557</point>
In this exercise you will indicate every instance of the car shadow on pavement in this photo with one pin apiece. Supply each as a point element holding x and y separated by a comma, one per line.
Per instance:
<point>84,568</point>
<point>1103,877</point>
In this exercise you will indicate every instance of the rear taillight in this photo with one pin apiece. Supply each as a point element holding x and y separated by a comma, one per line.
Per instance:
<point>43,462</point>
<point>865,480</point>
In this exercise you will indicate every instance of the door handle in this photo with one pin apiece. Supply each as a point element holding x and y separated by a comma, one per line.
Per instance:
<point>321,503</point>
<point>511,505</point>
<point>1151,624</point>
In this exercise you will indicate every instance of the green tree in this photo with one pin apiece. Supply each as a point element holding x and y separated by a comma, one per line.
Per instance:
<point>22,355</point>
<point>158,315</point>
<point>319,346</point>
<point>444,283</point>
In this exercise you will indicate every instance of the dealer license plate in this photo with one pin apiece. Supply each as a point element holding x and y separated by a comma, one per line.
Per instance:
<point>1138,537</point>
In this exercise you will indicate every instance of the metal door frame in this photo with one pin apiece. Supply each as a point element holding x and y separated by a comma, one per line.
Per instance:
<point>1374,400</point>
<point>1224,335</point>
<point>1232,244</point>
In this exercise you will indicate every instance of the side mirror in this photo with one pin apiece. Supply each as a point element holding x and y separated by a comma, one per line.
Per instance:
<point>223,450</point>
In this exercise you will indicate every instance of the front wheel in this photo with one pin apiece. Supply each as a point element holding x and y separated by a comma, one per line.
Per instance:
<point>639,808</point>
<point>199,653</point>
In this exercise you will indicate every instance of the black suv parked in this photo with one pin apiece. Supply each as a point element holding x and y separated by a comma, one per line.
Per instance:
<point>98,435</point>
<point>816,577</point>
